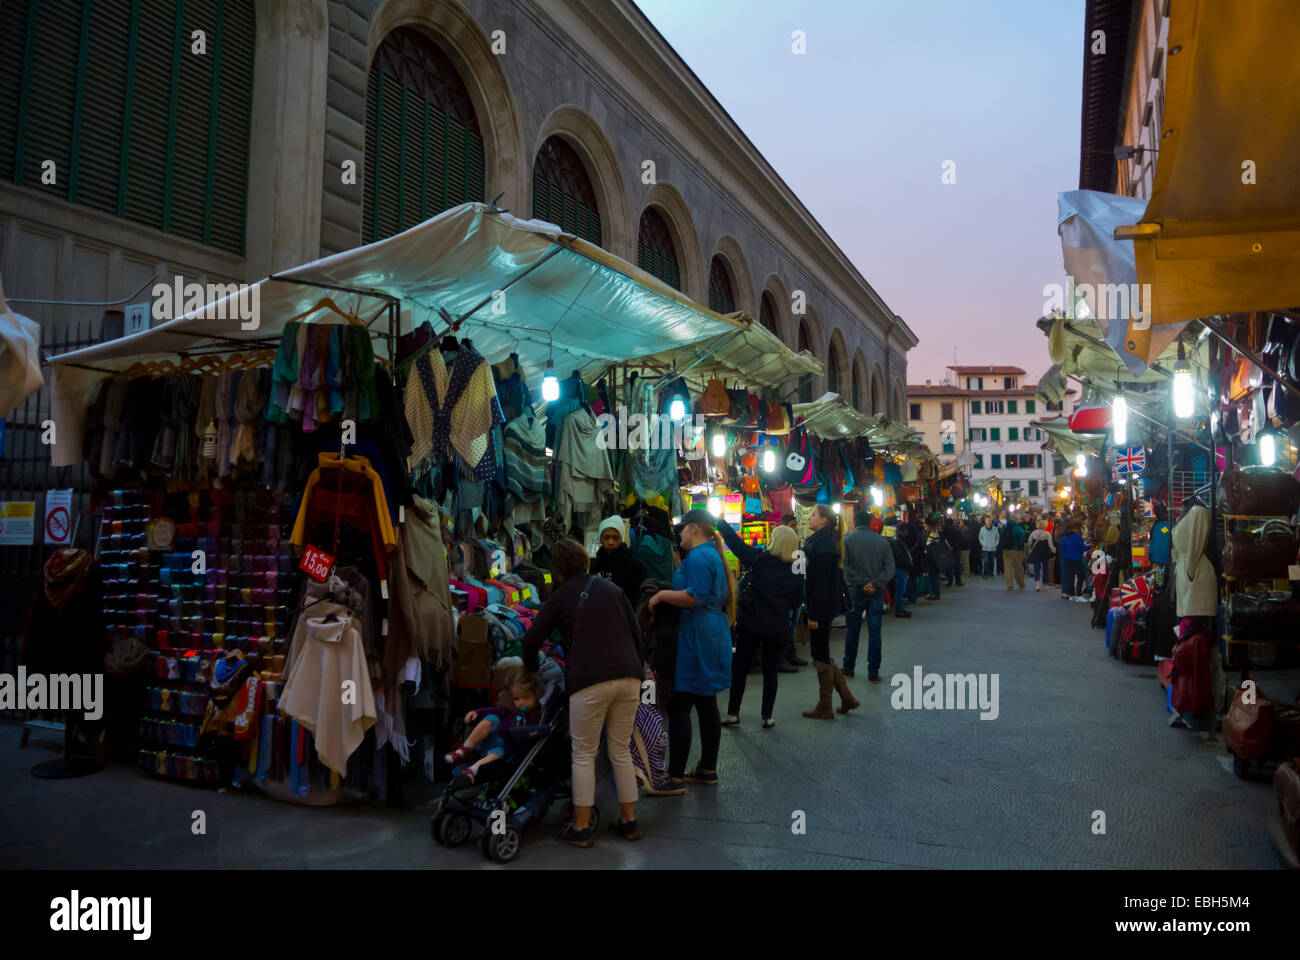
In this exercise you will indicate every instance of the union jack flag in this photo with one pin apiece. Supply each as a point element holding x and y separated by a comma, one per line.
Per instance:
<point>1130,459</point>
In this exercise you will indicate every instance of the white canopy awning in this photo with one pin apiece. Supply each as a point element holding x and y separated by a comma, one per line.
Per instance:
<point>751,355</point>
<point>561,298</point>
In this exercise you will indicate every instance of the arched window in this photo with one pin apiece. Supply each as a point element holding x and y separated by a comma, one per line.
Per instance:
<point>721,299</point>
<point>857,391</point>
<point>655,250</point>
<point>104,105</point>
<point>767,313</point>
<point>562,191</point>
<point>424,152</point>
<point>833,368</point>
<point>805,382</point>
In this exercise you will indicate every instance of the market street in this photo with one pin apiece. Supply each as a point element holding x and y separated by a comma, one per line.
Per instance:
<point>1077,732</point>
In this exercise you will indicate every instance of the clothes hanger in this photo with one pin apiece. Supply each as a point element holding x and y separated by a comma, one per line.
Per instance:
<point>327,304</point>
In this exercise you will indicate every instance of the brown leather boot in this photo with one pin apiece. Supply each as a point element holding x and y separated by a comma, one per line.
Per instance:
<point>847,700</point>
<point>825,689</point>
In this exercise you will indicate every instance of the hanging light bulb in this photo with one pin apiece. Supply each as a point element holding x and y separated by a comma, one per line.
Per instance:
<point>769,460</point>
<point>676,409</point>
<point>1119,420</point>
<point>719,444</point>
<point>1080,466</point>
<point>836,507</point>
<point>950,511</point>
<point>715,506</point>
<point>1267,450</point>
<point>1184,390</point>
<point>877,496</point>
<point>550,385</point>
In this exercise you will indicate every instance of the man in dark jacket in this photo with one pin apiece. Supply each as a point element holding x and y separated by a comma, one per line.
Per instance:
<point>952,535</point>
<point>902,572</point>
<point>868,570</point>
<point>976,558</point>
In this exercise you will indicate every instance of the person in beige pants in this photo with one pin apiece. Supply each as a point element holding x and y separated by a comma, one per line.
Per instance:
<point>603,674</point>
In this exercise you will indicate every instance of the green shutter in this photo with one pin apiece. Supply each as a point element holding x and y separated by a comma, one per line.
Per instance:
<point>1029,406</point>
<point>419,161</point>
<point>137,125</point>
<point>1011,406</point>
<point>1013,433</point>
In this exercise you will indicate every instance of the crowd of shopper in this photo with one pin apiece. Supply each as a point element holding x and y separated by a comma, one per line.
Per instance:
<point>723,624</point>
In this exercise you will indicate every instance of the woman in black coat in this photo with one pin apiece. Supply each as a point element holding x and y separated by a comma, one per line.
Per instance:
<point>825,601</point>
<point>770,593</point>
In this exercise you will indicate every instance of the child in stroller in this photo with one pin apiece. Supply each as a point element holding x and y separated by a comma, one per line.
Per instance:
<point>488,736</point>
<point>511,792</point>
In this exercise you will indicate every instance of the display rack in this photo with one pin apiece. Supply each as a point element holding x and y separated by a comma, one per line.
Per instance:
<point>1243,654</point>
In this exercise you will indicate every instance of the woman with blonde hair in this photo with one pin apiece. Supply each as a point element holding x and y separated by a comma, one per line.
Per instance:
<point>770,593</point>
<point>705,588</point>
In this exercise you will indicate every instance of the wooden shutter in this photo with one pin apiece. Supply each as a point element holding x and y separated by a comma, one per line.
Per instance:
<point>137,125</point>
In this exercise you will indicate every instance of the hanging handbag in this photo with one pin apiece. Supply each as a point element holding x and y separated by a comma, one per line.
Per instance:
<point>739,413</point>
<point>778,420</point>
<point>797,467</point>
<point>715,402</point>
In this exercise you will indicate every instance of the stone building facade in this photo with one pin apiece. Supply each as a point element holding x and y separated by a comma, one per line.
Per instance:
<point>593,74</point>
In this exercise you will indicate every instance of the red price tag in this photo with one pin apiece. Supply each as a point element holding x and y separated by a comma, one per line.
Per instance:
<point>317,564</point>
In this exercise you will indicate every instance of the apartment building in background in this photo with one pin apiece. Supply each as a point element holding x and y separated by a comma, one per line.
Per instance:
<point>997,408</point>
<point>940,413</point>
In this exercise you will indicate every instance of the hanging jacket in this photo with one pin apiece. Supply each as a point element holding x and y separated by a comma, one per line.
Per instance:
<point>1196,584</point>
<point>359,477</point>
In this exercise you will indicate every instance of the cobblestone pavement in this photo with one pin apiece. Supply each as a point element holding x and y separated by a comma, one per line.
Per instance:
<point>1077,732</point>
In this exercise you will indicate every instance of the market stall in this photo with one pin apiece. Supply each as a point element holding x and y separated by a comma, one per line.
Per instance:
<point>357,482</point>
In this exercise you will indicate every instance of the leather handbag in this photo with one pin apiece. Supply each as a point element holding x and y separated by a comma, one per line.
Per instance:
<point>1248,727</point>
<point>739,414</point>
<point>1261,616</point>
<point>1259,491</point>
<point>778,419</point>
<point>1265,554</point>
<point>1286,784</point>
<point>715,402</point>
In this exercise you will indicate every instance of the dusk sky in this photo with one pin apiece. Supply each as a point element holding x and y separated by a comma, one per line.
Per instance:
<point>861,125</point>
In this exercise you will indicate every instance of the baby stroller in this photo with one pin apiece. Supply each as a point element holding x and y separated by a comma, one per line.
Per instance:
<point>510,793</point>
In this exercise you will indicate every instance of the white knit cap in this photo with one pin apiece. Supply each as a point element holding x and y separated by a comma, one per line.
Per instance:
<point>615,522</point>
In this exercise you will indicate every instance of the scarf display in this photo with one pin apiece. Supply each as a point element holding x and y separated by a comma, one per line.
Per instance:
<point>583,476</point>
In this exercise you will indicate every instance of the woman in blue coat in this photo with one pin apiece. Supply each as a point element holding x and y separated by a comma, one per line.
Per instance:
<point>705,589</point>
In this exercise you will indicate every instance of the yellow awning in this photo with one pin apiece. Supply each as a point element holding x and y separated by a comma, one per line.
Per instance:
<point>1221,233</point>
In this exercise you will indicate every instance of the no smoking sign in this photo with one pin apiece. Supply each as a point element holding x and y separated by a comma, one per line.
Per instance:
<point>58,517</point>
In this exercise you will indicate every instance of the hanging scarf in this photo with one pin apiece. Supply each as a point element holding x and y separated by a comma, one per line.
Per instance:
<point>248,410</point>
<point>294,406</point>
<point>187,402</point>
<point>309,377</point>
<point>285,373</point>
<point>65,573</point>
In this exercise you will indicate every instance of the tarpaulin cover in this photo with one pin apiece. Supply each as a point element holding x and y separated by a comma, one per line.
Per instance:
<point>1221,233</point>
<point>1064,441</point>
<point>594,306</point>
<point>1101,264</point>
<point>1090,420</point>
<point>751,357</point>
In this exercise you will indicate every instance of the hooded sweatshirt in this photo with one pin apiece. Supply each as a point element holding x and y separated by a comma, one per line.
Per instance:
<point>1195,582</point>
<point>989,538</point>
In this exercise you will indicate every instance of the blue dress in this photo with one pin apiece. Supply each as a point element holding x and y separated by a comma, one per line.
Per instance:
<point>704,637</point>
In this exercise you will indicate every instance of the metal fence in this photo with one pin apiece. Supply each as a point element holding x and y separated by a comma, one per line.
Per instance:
<point>26,475</point>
